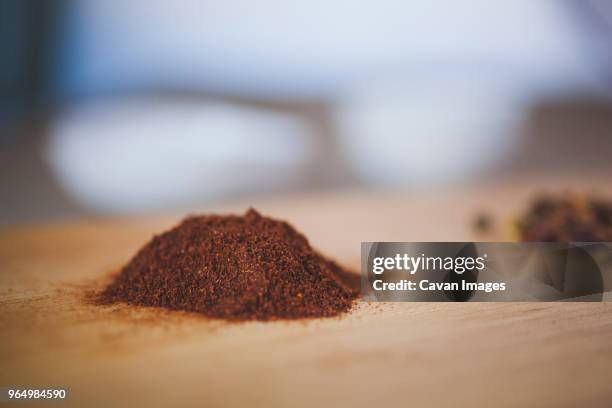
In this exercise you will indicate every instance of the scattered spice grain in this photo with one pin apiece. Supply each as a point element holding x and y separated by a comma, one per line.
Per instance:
<point>483,223</point>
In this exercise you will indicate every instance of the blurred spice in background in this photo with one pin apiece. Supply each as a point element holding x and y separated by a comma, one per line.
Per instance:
<point>569,217</point>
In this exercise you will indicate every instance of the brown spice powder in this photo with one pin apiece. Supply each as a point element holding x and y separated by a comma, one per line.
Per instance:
<point>235,267</point>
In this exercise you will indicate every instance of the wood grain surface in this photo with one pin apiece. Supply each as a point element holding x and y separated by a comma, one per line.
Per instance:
<point>380,354</point>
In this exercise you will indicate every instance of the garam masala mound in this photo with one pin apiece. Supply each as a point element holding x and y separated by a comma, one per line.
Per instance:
<point>247,267</point>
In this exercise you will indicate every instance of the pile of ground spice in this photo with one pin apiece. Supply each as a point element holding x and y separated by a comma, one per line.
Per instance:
<point>569,217</point>
<point>237,268</point>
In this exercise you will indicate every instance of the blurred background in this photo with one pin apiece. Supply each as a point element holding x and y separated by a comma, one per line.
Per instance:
<point>127,108</point>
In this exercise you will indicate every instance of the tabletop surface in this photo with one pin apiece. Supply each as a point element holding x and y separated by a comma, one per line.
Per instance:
<point>442,354</point>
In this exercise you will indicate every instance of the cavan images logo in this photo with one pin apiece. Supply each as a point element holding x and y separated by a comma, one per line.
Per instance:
<point>469,271</point>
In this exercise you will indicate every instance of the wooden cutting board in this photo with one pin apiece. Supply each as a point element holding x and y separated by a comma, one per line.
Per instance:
<point>411,354</point>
